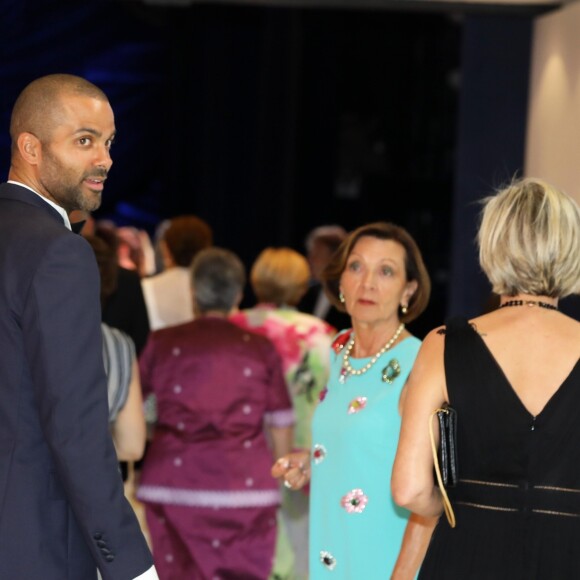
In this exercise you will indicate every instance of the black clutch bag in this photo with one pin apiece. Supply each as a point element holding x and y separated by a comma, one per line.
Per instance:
<point>447,418</point>
<point>445,456</point>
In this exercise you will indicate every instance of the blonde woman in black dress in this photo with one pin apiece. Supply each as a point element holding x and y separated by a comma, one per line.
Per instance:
<point>513,376</point>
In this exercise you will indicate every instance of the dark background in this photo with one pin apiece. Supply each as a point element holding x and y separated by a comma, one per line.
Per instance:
<point>267,121</point>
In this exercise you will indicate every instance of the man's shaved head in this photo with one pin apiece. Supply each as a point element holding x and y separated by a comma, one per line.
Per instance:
<point>37,109</point>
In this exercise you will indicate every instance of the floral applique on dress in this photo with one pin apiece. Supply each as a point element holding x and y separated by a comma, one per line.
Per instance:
<point>356,405</point>
<point>318,453</point>
<point>340,341</point>
<point>327,559</point>
<point>354,502</point>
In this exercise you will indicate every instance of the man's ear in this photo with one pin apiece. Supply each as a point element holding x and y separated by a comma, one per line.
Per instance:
<point>29,148</point>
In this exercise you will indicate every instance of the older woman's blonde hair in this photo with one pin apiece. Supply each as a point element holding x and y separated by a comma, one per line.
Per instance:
<point>529,240</point>
<point>280,276</point>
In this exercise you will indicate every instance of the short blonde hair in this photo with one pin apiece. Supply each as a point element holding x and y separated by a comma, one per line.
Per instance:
<point>280,276</point>
<point>529,240</point>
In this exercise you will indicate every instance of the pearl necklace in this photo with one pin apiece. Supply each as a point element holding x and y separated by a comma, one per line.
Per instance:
<point>529,303</point>
<point>347,369</point>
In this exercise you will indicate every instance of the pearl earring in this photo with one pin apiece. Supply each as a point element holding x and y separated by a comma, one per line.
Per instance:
<point>404,309</point>
<point>341,297</point>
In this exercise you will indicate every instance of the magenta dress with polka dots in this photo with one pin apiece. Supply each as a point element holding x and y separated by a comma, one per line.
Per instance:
<point>209,497</point>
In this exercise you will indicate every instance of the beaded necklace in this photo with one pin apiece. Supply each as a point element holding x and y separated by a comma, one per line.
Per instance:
<point>529,303</point>
<point>347,370</point>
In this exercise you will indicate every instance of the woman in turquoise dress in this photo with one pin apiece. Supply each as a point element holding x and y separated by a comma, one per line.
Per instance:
<point>356,530</point>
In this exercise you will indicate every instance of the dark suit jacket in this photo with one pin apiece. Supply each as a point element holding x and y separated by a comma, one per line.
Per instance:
<point>62,505</point>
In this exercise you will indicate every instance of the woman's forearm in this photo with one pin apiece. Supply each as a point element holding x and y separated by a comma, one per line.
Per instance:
<point>413,547</point>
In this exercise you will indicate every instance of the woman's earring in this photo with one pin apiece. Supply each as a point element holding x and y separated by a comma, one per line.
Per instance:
<point>404,309</point>
<point>341,297</point>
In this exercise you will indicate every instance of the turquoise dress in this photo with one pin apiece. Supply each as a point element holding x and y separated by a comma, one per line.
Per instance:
<point>355,527</point>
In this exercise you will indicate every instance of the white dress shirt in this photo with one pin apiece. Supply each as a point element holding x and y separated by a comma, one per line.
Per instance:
<point>151,574</point>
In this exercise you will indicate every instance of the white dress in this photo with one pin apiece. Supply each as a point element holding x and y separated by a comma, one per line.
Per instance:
<point>168,297</point>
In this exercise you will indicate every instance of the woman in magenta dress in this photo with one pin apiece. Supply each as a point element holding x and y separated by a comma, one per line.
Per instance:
<point>209,497</point>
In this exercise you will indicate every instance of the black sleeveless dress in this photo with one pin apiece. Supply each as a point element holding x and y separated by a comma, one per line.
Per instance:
<point>517,503</point>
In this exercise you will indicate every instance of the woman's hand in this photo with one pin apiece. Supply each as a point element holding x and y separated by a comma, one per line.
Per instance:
<point>293,468</point>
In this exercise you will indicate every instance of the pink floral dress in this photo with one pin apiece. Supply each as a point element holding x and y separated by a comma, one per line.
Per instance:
<point>303,342</point>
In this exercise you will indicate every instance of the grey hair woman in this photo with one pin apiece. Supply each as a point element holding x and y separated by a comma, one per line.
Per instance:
<point>218,278</point>
<point>224,414</point>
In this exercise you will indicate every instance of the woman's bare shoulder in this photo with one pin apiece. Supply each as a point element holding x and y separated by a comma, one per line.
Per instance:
<point>435,336</point>
<point>431,346</point>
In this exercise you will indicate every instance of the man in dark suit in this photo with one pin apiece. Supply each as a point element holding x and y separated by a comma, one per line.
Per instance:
<point>63,512</point>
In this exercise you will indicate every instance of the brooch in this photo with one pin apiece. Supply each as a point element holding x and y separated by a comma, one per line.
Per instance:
<point>391,371</point>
